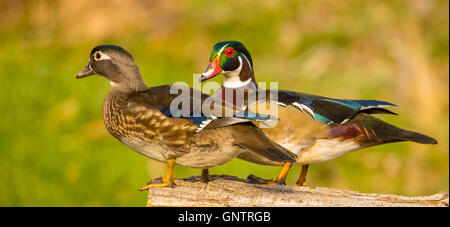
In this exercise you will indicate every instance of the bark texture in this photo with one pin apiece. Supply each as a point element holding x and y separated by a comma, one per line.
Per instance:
<point>224,191</point>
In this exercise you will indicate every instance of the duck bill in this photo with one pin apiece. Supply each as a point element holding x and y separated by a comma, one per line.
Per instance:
<point>212,70</point>
<point>87,71</point>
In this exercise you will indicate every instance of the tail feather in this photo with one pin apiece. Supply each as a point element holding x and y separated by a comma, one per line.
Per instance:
<point>387,133</point>
<point>405,135</point>
<point>254,139</point>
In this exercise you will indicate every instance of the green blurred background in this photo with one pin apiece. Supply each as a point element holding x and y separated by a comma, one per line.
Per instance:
<point>55,151</point>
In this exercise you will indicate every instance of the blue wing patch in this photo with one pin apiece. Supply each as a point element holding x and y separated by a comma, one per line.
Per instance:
<point>202,120</point>
<point>367,104</point>
<point>339,110</point>
<point>362,104</point>
<point>321,118</point>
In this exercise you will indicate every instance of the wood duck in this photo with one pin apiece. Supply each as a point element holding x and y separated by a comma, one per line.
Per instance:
<point>313,127</point>
<point>141,118</point>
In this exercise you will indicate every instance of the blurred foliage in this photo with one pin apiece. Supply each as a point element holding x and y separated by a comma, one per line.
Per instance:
<point>55,151</point>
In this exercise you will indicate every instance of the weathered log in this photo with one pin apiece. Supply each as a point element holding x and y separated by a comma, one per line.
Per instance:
<point>235,192</point>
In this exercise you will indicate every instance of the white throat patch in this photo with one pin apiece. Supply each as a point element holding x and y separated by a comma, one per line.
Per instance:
<point>232,79</point>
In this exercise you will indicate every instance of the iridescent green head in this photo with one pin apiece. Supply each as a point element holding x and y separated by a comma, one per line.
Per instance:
<point>232,59</point>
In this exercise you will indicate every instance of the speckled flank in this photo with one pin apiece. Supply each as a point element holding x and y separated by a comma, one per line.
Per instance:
<point>151,133</point>
<point>306,137</point>
<point>326,149</point>
<point>299,128</point>
<point>297,134</point>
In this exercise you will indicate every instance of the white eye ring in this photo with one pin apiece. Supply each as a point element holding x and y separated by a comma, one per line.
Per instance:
<point>98,56</point>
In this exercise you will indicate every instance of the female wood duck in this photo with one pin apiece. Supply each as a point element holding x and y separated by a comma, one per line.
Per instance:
<point>140,117</point>
<point>313,127</point>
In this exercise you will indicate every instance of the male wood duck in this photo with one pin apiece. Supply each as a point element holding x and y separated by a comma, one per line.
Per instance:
<point>313,127</point>
<point>141,118</point>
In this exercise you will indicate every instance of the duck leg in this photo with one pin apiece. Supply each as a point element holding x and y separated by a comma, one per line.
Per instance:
<point>205,176</point>
<point>280,180</point>
<point>301,182</point>
<point>168,180</point>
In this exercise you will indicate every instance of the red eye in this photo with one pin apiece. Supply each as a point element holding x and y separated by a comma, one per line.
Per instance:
<point>229,52</point>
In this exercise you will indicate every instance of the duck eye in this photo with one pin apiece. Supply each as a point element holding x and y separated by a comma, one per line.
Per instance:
<point>97,56</point>
<point>229,52</point>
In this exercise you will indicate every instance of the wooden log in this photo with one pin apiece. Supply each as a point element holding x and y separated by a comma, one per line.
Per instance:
<point>224,191</point>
